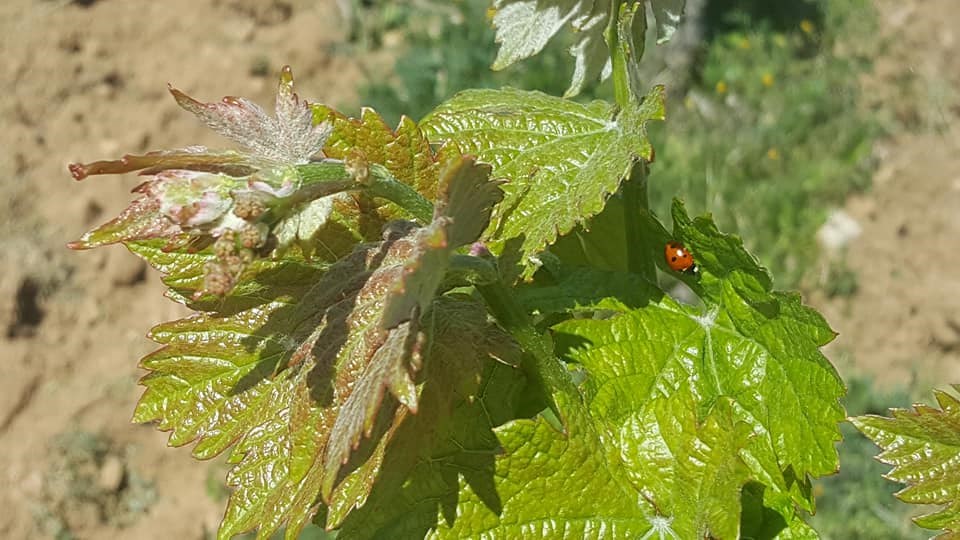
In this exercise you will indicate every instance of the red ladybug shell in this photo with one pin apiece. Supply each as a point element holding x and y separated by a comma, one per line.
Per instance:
<point>679,258</point>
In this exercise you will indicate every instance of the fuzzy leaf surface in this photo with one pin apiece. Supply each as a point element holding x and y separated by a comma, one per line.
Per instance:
<point>562,159</point>
<point>524,27</point>
<point>923,446</point>
<point>290,137</point>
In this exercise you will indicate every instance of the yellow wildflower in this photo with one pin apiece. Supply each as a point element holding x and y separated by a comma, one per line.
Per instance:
<point>806,26</point>
<point>767,80</point>
<point>721,87</point>
<point>773,154</point>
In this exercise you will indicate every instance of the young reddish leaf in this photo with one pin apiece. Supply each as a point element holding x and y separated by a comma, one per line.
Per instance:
<point>290,138</point>
<point>471,386</point>
<point>230,199</point>
<point>466,199</point>
<point>172,204</point>
<point>468,195</point>
<point>258,202</point>
<point>194,158</point>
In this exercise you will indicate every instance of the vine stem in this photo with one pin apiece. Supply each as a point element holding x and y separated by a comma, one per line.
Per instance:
<point>636,204</point>
<point>636,210</point>
<point>546,369</point>
<point>620,75</point>
<point>329,177</point>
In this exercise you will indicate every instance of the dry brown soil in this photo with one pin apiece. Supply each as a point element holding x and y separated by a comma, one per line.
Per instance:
<point>903,325</point>
<point>86,80</point>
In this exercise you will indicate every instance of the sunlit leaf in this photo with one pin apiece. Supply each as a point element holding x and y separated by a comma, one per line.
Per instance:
<point>405,152</point>
<point>296,380</point>
<point>692,409</point>
<point>554,485</point>
<point>562,159</point>
<point>923,446</point>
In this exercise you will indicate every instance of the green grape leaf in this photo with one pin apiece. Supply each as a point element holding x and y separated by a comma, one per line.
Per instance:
<point>682,404</point>
<point>923,446</point>
<point>596,481</point>
<point>720,257</point>
<point>691,469</point>
<point>554,485</point>
<point>308,368</point>
<point>214,382</point>
<point>788,398</point>
<point>182,270</point>
<point>405,152</point>
<point>589,50</point>
<point>782,333</point>
<point>262,281</point>
<point>562,159</point>
<point>600,242</point>
<point>524,27</point>
<point>579,289</point>
<point>773,517</point>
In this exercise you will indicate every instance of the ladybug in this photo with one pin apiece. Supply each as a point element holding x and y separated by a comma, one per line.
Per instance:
<point>679,258</point>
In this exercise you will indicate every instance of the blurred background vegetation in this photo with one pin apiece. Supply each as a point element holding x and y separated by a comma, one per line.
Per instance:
<point>766,128</point>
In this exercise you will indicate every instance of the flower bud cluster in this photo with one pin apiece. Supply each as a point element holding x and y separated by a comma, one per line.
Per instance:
<point>221,273</point>
<point>230,211</point>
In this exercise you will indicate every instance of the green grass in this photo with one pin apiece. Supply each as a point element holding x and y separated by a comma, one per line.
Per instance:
<point>450,50</point>
<point>770,136</point>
